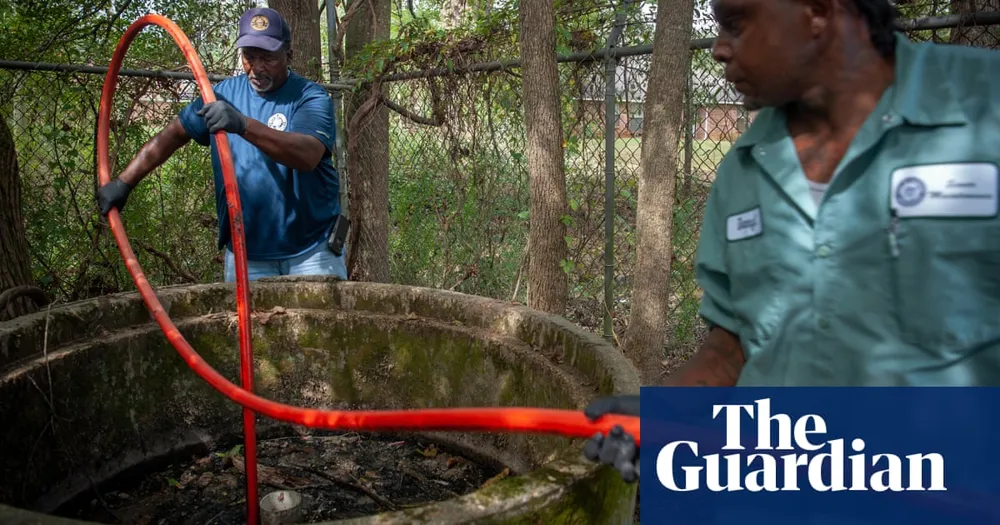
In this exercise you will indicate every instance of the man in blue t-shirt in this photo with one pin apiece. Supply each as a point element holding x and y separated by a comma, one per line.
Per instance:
<point>281,135</point>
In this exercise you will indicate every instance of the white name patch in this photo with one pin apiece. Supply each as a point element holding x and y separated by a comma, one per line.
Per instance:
<point>946,190</point>
<point>744,225</point>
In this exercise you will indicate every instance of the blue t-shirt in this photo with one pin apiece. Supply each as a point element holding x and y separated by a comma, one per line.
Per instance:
<point>286,212</point>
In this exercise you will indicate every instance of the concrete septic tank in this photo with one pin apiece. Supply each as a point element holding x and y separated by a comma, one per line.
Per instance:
<point>92,390</point>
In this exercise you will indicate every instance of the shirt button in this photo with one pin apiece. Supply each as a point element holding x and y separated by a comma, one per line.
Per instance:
<point>888,118</point>
<point>824,323</point>
<point>823,251</point>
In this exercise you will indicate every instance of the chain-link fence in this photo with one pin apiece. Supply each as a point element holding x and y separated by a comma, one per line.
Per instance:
<point>459,182</point>
<point>454,150</point>
<point>53,117</point>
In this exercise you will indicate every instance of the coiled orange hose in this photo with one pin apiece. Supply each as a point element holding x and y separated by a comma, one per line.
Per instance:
<point>567,423</point>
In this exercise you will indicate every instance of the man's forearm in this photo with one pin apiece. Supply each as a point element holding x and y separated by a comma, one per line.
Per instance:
<point>718,362</point>
<point>154,153</point>
<point>295,150</point>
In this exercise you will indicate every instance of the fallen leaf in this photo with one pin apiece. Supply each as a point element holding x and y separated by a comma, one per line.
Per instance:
<point>503,474</point>
<point>205,479</point>
<point>429,452</point>
<point>187,477</point>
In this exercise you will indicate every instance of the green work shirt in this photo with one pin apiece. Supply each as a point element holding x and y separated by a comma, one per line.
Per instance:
<point>894,278</point>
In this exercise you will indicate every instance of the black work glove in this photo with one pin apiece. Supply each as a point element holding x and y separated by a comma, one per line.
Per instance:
<point>222,115</point>
<point>114,194</point>
<point>618,448</point>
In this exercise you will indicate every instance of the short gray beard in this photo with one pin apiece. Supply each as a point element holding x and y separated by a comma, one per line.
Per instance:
<point>265,89</point>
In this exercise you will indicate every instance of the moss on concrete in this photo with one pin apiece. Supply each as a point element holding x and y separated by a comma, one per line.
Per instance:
<point>565,491</point>
<point>120,395</point>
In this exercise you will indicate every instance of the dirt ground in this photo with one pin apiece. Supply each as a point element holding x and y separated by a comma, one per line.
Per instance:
<point>339,476</point>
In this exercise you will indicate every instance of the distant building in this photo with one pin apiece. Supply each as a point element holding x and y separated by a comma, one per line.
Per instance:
<point>718,109</point>
<point>630,94</point>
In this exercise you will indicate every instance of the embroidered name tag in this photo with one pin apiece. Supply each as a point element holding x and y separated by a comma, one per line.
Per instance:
<point>946,190</point>
<point>744,225</point>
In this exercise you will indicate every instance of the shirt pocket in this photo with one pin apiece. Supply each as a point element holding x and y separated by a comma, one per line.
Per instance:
<point>755,289</point>
<point>947,283</point>
<point>750,264</point>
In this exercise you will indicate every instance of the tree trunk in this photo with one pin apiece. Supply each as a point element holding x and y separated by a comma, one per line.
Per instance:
<point>547,282</point>
<point>648,321</point>
<point>15,261</point>
<point>367,130</point>
<point>303,18</point>
<point>978,36</point>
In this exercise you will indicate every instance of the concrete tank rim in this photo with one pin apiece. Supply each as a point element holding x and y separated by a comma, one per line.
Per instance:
<point>613,360</point>
<point>570,466</point>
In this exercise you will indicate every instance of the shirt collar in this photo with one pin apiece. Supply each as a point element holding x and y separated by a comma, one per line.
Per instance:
<point>923,95</point>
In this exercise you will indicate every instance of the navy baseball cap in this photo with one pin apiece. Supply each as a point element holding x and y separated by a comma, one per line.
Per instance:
<point>264,28</point>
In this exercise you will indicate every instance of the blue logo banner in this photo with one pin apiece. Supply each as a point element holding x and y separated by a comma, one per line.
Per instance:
<point>817,456</point>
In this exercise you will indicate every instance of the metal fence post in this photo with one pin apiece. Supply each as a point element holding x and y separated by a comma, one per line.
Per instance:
<point>610,119</point>
<point>610,123</point>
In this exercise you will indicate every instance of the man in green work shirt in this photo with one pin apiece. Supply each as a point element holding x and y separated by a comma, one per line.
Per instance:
<point>852,234</point>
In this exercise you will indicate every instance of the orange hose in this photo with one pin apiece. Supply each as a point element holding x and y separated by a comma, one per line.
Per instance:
<point>568,423</point>
<point>236,222</point>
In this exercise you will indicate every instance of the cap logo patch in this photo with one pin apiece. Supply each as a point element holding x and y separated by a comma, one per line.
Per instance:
<point>259,22</point>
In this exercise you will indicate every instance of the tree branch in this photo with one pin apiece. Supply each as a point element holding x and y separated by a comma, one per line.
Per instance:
<point>36,294</point>
<point>352,8</point>
<point>426,121</point>
<point>184,274</point>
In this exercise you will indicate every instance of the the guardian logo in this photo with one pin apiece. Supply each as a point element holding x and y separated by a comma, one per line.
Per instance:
<point>823,466</point>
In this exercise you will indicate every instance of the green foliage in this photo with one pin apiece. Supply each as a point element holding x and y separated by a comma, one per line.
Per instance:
<point>459,193</point>
<point>69,31</point>
<point>420,44</point>
<point>423,43</point>
<point>53,119</point>
<point>457,208</point>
